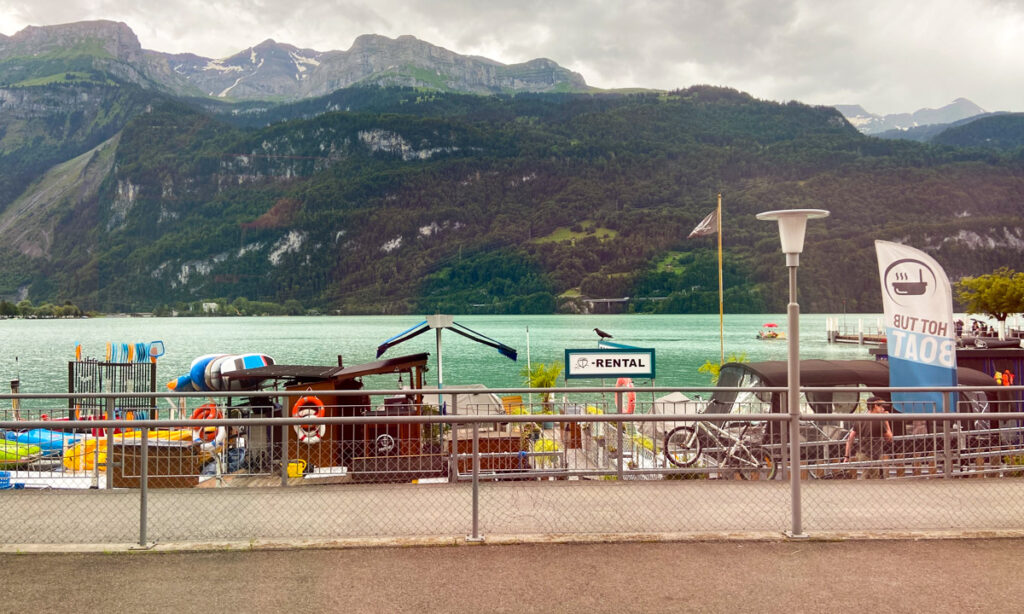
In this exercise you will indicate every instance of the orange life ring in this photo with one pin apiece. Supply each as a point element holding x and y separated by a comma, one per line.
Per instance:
<point>206,411</point>
<point>307,407</point>
<point>629,397</point>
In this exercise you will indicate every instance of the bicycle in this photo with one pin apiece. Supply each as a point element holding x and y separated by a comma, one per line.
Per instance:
<point>684,445</point>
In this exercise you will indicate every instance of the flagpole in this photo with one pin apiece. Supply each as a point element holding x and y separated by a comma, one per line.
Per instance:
<point>721,302</point>
<point>529,369</point>
<point>703,229</point>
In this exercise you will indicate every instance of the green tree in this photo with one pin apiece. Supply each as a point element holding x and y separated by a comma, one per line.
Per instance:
<point>714,369</point>
<point>25,308</point>
<point>540,375</point>
<point>70,310</point>
<point>998,294</point>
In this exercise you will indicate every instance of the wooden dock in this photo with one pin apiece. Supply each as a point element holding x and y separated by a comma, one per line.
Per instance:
<point>861,334</point>
<point>860,339</point>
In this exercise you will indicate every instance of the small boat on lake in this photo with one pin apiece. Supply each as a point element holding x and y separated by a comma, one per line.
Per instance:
<point>770,331</point>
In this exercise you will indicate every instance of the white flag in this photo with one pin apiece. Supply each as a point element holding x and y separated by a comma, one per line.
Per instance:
<point>707,226</point>
<point>921,342</point>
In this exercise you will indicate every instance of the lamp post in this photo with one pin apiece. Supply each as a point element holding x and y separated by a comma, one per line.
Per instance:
<point>792,227</point>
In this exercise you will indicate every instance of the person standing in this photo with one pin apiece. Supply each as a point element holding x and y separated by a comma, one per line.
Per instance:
<point>868,438</point>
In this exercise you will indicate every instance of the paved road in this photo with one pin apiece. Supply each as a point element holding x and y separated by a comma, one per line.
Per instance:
<point>879,576</point>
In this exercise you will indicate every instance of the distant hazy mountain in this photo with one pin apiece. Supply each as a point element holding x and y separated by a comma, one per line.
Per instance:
<point>276,71</point>
<point>871,123</point>
<point>1000,131</point>
<point>930,133</point>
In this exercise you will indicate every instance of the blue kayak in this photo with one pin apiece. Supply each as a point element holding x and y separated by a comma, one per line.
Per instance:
<point>50,442</point>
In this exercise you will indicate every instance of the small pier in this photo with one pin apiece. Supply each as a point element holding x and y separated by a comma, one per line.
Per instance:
<point>861,333</point>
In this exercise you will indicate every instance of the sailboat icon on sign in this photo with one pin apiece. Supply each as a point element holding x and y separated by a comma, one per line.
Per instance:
<point>910,288</point>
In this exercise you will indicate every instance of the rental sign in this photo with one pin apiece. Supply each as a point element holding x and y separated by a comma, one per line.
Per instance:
<point>634,362</point>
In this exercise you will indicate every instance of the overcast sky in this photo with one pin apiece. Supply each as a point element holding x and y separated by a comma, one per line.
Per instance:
<point>889,56</point>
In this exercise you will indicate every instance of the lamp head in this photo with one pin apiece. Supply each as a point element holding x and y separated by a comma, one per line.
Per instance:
<point>792,227</point>
<point>439,321</point>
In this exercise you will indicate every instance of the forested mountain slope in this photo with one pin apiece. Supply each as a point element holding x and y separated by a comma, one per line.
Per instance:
<point>398,200</point>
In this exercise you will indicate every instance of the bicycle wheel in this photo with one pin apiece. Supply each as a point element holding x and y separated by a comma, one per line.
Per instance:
<point>814,463</point>
<point>682,446</point>
<point>762,465</point>
<point>817,473</point>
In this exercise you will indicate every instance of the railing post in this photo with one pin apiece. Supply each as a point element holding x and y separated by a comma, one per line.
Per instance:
<point>618,437</point>
<point>784,443</point>
<point>947,452</point>
<point>143,486</point>
<point>110,445</point>
<point>284,453</point>
<point>476,537</point>
<point>453,471</point>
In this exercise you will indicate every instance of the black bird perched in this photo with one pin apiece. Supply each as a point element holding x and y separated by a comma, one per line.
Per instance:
<point>602,334</point>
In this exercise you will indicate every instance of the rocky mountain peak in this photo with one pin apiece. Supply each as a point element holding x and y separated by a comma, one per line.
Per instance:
<point>115,38</point>
<point>267,44</point>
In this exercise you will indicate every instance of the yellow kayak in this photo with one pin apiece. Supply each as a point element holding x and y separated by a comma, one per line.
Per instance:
<point>84,455</point>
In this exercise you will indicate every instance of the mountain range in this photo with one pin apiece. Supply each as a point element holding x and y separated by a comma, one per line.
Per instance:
<point>277,71</point>
<point>881,125</point>
<point>399,177</point>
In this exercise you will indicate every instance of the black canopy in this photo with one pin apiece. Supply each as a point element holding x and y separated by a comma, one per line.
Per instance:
<point>815,372</point>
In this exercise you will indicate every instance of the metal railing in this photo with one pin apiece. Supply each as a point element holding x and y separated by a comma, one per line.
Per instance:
<point>257,474</point>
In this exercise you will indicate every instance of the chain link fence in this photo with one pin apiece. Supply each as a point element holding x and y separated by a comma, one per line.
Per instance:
<point>475,462</point>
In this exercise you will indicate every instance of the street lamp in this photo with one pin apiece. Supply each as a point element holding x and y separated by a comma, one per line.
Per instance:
<point>792,227</point>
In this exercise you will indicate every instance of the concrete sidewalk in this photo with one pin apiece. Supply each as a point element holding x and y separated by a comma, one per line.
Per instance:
<point>934,576</point>
<point>509,511</point>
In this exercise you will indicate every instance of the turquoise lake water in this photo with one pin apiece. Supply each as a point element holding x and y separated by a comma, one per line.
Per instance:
<point>682,343</point>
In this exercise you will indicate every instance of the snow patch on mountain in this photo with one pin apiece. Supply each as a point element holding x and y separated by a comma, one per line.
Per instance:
<point>303,63</point>
<point>220,66</point>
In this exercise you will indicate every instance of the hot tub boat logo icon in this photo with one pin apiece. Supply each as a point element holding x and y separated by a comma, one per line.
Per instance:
<point>909,282</point>
<point>910,288</point>
<point>385,444</point>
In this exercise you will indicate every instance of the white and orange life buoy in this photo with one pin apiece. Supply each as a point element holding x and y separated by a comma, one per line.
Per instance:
<point>208,434</point>
<point>309,407</point>
<point>628,398</point>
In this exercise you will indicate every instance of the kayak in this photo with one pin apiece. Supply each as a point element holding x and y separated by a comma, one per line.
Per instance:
<point>49,441</point>
<point>13,453</point>
<point>86,454</point>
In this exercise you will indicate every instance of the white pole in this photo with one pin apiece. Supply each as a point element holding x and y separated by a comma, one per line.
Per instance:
<point>440,378</point>
<point>528,366</point>
<point>438,322</point>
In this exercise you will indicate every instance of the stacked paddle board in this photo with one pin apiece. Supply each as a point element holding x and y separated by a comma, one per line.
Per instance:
<point>218,372</point>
